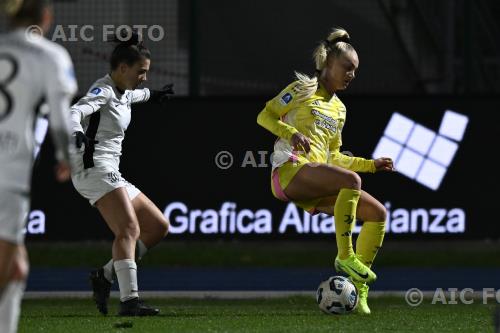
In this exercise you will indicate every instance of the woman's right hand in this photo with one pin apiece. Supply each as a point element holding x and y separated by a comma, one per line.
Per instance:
<point>63,172</point>
<point>384,164</point>
<point>300,142</point>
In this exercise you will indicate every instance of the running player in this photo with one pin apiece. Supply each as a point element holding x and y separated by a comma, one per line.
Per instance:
<point>308,167</point>
<point>99,120</point>
<point>33,71</point>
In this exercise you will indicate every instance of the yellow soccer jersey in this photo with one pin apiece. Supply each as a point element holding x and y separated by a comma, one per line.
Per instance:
<point>321,118</point>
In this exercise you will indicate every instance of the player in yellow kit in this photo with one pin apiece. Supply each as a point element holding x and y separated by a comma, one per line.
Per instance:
<point>308,167</point>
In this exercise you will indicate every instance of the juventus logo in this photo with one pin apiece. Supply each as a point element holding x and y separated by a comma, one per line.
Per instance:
<point>349,219</point>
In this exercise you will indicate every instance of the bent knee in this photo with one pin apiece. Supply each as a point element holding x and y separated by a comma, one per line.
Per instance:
<point>353,181</point>
<point>129,231</point>
<point>380,214</point>
<point>20,269</point>
<point>164,226</point>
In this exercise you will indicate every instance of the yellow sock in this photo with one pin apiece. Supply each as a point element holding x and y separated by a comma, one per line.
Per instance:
<point>345,219</point>
<point>369,241</point>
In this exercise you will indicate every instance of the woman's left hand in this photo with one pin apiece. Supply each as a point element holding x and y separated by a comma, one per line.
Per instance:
<point>384,164</point>
<point>162,95</point>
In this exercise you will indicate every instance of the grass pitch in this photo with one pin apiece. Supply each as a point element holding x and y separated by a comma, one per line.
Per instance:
<point>293,314</point>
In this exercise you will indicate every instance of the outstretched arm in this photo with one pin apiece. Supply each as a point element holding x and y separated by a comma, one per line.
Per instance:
<point>349,162</point>
<point>155,96</point>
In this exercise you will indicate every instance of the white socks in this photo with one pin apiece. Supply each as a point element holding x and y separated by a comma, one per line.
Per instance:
<point>108,271</point>
<point>140,251</point>
<point>10,306</point>
<point>126,272</point>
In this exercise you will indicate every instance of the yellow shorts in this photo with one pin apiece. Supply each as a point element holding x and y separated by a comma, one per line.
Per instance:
<point>282,176</point>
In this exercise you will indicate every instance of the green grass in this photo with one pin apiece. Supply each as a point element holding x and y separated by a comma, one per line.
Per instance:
<point>267,254</point>
<point>295,314</point>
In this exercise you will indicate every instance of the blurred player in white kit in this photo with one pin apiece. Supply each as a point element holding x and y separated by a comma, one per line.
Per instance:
<point>33,71</point>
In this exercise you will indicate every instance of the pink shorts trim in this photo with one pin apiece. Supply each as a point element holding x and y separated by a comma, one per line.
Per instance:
<point>277,187</point>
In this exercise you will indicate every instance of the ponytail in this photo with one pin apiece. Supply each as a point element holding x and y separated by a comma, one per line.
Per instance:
<point>337,42</point>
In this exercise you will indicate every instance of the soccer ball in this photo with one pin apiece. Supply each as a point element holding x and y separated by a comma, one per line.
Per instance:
<point>337,295</point>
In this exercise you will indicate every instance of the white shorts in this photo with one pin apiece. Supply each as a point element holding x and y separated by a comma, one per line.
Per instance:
<point>94,183</point>
<point>14,208</point>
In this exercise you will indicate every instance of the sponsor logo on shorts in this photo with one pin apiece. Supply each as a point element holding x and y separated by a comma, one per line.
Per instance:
<point>113,177</point>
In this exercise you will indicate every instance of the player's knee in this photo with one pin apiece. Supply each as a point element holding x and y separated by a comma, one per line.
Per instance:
<point>129,231</point>
<point>161,227</point>
<point>353,181</point>
<point>164,226</point>
<point>20,269</point>
<point>381,214</point>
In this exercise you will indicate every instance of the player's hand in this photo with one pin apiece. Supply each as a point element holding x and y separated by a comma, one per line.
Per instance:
<point>63,172</point>
<point>300,142</point>
<point>162,95</point>
<point>81,138</point>
<point>384,164</point>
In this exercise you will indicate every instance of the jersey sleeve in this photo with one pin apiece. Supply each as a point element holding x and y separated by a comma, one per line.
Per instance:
<point>97,97</point>
<point>347,161</point>
<point>271,116</point>
<point>139,95</point>
<point>60,84</point>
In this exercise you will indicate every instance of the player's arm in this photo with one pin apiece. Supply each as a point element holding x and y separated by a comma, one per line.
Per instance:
<point>356,164</point>
<point>275,109</point>
<point>139,95</point>
<point>162,95</point>
<point>41,128</point>
<point>353,163</point>
<point>58,96</point>
<point>156,96</point>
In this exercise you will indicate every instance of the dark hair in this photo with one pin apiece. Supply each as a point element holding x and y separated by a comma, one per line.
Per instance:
<point>129,50</point>
<point>25,11</point>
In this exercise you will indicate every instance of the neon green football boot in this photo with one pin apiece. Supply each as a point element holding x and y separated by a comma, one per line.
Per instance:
<point>362,307</point>
<point>353,267</point>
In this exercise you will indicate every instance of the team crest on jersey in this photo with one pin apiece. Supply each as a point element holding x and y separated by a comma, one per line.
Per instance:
<point>95,91</point>
<point>286,98</point>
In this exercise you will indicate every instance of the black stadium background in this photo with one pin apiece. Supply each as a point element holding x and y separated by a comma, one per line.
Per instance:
<point>169,153</point>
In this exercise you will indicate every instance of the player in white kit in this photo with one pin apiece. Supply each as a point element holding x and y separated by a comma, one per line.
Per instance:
<point>33,71</point>
<point>99,121</point>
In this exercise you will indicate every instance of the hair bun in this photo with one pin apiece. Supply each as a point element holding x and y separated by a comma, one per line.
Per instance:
<point>128,37</point>
<point>344,38</point>
<point>337,35</point>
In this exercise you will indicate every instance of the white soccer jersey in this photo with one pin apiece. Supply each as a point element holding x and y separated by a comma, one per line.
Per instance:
<point>32,71</point>
<point>103,114</point>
